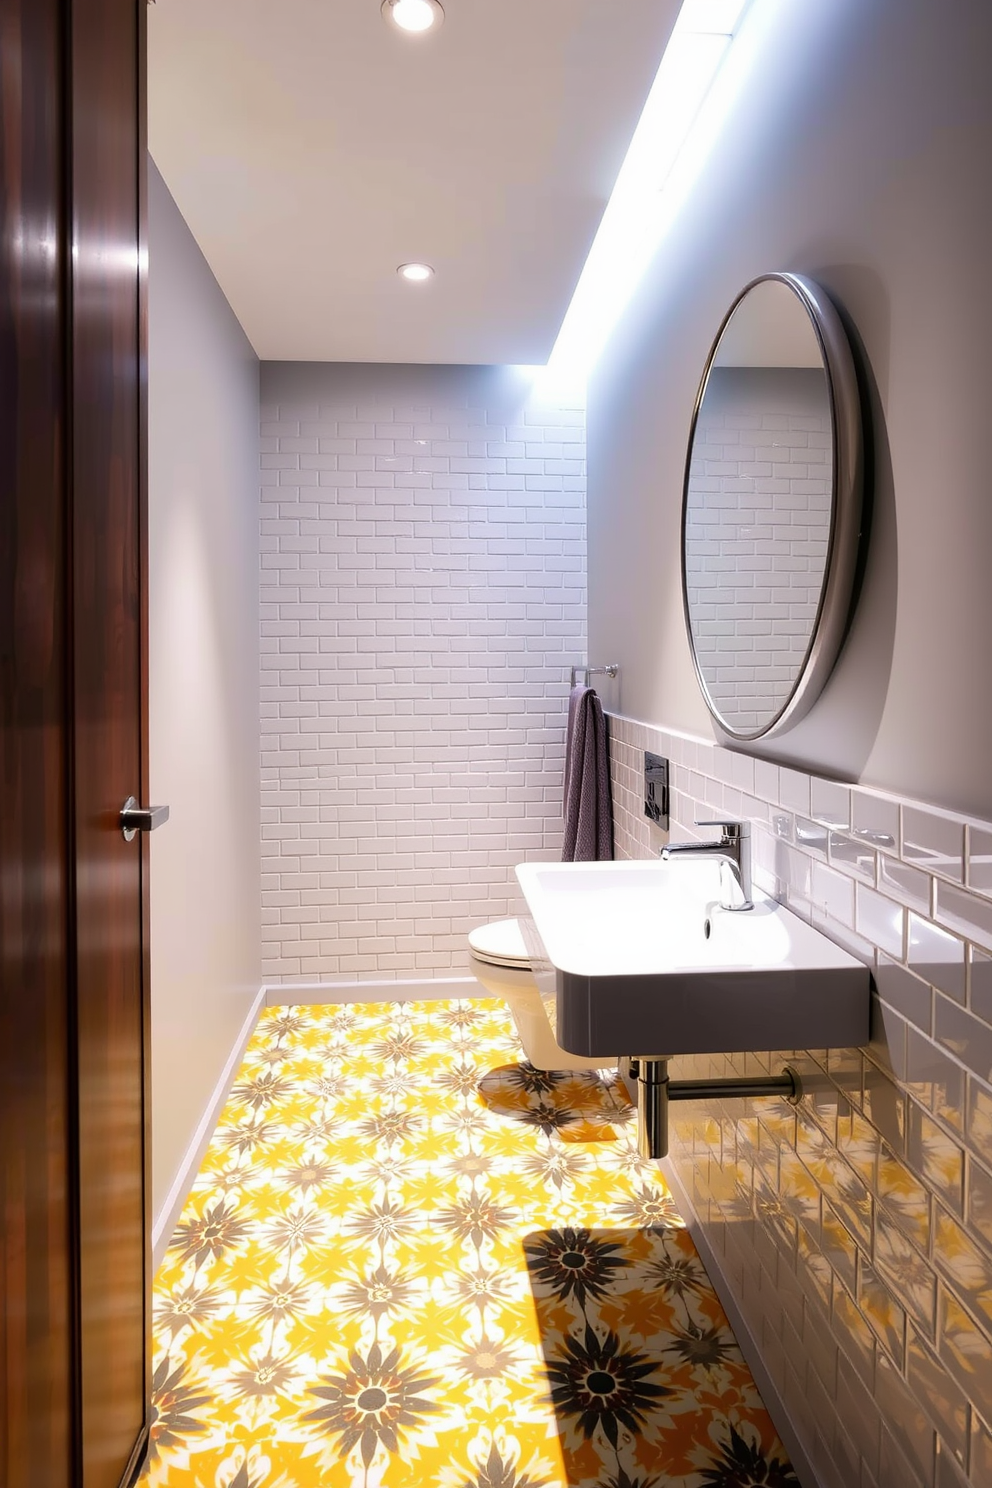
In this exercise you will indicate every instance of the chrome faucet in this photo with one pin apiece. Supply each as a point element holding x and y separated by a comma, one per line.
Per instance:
<point>733,848</point>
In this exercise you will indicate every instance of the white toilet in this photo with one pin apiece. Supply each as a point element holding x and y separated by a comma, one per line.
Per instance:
<point>500,962</point>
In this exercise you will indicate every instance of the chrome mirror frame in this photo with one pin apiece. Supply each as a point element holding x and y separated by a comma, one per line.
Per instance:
<point>846,508</point>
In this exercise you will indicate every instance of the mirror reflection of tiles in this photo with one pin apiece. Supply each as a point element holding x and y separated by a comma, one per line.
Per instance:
<point>410,1258</point>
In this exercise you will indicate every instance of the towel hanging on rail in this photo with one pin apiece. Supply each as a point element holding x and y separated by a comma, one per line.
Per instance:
<point>588,802</point>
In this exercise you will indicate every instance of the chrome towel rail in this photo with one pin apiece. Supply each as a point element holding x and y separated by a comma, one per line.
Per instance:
<point>611,670</point>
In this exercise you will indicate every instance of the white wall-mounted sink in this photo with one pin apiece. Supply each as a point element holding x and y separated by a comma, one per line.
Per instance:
<point>638,958</point>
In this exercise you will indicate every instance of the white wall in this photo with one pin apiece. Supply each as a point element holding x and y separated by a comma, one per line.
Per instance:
<point>857,153</point>
<point>203,655</point>
<point>423,598</point>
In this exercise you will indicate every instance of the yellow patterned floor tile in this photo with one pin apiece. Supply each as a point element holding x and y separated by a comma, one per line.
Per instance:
<point>411,1259</point>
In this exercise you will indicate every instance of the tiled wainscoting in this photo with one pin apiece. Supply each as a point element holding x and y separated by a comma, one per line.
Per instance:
<point>855,1232</point>
<point>423,596</point>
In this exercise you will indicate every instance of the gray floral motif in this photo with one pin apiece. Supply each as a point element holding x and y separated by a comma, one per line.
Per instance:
<point>460,1079</point>
<point>603,1386</point>
<point>296,1230</point>
<point>185,1307</point>
<point>483,1286</point>
<point>387,1168</point>
<point>248,1136</point>
<point>210,1235</point>
<point>228,1180</point>
<point>742,1464</point>
<point>375,1401</point>
<point>467,1123</point>
<point>267,1375</point>
<point>385,1221</point>
<point>399,1044</point>
<point>307,1175</point>
<point>486,1360</point>
<point>470,1165</point>
<point>573,1263</point>
<point>281,1302</point>
<point>460,1015</point>
<point>328,1087</point>
<point>678,1276</point>
<point>704,1348</point>
<point>394,1081</point>
<point>495,1473</point>
<point>319,1128</point>
<point>261,1090</point>
<point>390,1126</point>
<point>174,1399</point>
<point>555,1165</point>
<point>287,1023</point>
<point>549,1118</point>
<point>476,1218</point>
<point>377,1294</point>
<point>649,1207</point>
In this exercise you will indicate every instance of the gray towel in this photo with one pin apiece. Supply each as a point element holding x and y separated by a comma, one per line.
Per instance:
<point>588,804</point>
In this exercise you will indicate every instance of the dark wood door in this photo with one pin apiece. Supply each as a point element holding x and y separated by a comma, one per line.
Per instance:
<point>74,1366</point>
<point>36,1265</point>
<point>106,168</point>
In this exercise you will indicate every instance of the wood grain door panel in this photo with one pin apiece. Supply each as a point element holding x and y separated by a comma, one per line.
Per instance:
<point>36,1264</point>
<point>74,1257</point>
<point>108,708</point>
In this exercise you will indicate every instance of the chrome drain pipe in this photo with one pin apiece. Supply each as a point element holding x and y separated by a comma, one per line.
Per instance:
<point>655,1090</point>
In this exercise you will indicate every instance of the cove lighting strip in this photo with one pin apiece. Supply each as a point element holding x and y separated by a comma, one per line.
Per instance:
<point>637,212</point>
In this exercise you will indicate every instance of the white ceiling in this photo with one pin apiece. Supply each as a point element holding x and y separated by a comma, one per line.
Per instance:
<point>312,148</point>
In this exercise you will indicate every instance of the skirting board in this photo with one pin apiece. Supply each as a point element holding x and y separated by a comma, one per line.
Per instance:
<point>424,989</point>
<point>767,1388</point>
<point>171,1209</point>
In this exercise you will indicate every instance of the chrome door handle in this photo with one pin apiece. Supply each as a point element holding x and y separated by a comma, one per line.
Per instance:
<point>135,818</point>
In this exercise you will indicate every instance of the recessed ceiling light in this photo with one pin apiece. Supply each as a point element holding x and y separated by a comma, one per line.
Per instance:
<point>415,272</point>
<point>413,15</point>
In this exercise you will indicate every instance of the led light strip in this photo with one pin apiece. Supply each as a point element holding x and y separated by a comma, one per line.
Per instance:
<point>635,214</point>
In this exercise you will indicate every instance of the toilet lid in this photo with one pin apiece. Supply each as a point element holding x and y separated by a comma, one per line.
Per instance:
<point>499,944</point>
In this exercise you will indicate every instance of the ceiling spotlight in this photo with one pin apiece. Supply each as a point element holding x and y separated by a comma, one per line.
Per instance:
<point>417,273</point>
<point>413,15</point>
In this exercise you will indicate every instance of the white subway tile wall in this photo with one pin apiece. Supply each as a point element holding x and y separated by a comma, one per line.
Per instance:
<point>423,599</point>
<point>856,1230</point>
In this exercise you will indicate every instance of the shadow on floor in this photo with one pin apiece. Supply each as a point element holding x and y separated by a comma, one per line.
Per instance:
<point>574,1105</point>
<point>647,1382</point>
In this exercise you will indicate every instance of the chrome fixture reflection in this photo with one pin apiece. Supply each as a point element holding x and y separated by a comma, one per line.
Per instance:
<point>733,849</point>
<point>772,506</point>
<point>612,669</point>
<point>134,818</point>
<point>655,1090</point>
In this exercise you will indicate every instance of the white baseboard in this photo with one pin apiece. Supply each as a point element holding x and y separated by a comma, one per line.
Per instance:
<point>767,1388</point>
<point>172,1207</point>
<point>423,989</point>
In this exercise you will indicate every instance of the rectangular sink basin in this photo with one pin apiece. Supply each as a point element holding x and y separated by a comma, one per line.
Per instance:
<point>639,959</point>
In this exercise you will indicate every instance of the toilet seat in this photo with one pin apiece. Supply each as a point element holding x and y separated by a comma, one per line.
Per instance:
<point>500,944</point>
<point>500,963</point>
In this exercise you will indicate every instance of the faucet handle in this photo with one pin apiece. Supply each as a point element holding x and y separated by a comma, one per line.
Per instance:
<point>731,828</point>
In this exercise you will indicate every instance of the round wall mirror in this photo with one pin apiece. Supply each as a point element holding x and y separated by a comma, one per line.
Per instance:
<point>771,512</point>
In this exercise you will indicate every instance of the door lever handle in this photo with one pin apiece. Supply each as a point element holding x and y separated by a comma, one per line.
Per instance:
<point>135,818</point>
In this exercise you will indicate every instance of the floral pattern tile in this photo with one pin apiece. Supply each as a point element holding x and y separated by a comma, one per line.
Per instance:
<point>410,1259</point>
